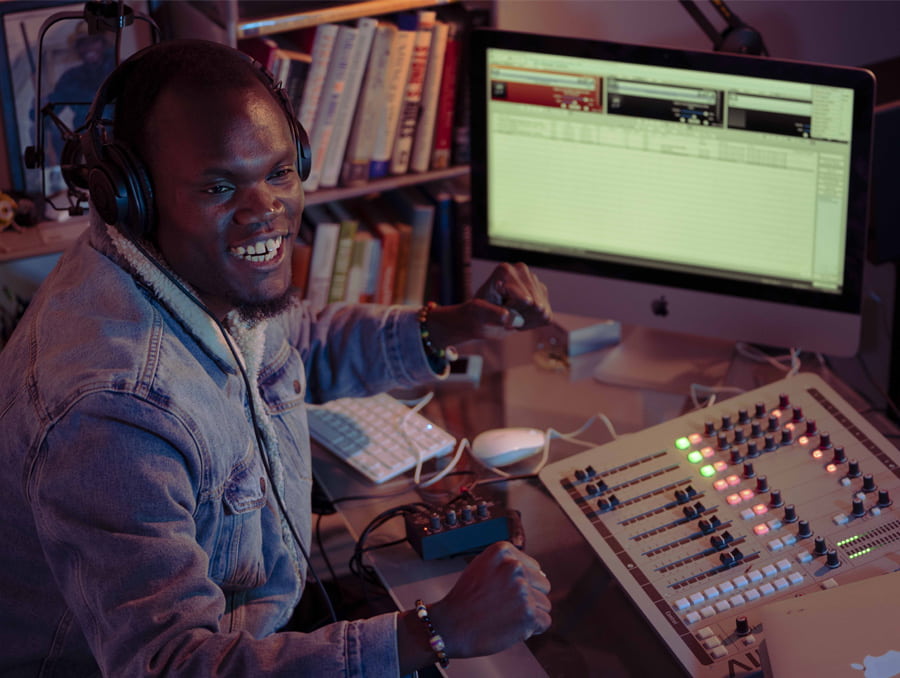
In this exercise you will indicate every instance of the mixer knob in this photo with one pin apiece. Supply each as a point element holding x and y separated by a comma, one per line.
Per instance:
<point>790,514</point>
<point>775,499</point>
<point>736,457</point>
<point>723,443</point>
<point>613,500</point>
<point>759,410</point>
<point>755,430</point>
<point>762,484</point>
<point>591,471</point>
<point>580,474</point>
<point>739,436</point>
<point>773,424</point>
<point>681,496</point>
<point>717,542</point>
<point>853,469</point>
<point>811,428</point>
<point>819,546</point>
<point>450,517</point>
<point>699,507</point>
<point>752,449</point>
<point>591,489</point>
<point>737,555</point>
<point>689,512</point>
<point>482,510</point>
<point>727,559</point>
<point>435,522</point>
<point>825,441</point>
<point>769,444</point>
<point>840,456</point>
<point>466,516</point>
<point>743,417</point>
<point>884,499</point>
<point>709,429</point>
<point>858,509</point>
<point>831,559</point>
<point>868,483</point>
<point>727,537</point>
<point>601,485</point>
<point>705,527</point>
<point>783,401</point>
<point>787,436</point>
<point>715,521</point>
<point>727,424</point>
<point>804,531</point>
<point>797,414</point>
<point>742,626</point>
<point>603,505</point>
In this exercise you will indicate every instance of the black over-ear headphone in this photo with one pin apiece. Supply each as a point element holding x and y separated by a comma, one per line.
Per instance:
<point>117,180</point>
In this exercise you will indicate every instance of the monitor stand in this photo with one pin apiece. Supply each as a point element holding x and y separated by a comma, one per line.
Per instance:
<point>660,360</point>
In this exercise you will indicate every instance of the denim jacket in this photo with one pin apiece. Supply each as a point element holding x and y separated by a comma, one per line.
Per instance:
<point>140,532</point>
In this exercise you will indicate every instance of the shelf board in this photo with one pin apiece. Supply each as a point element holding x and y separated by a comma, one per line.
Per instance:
<point>49,237</point>
<point>386,184</point>
<point>248,27</point>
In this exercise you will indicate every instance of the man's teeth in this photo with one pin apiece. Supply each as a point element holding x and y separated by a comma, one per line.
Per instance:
<point>265,250</point>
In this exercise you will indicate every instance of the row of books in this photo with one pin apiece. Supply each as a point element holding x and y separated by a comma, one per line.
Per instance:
<point>378,96</point>
<point>404,246</point>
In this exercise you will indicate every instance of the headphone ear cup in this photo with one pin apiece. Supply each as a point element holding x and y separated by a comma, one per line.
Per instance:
<point>304,152</point>
<point>121,191</point>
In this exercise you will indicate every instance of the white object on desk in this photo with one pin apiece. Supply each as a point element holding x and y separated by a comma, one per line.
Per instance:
<point>504,446</point>
<point>379,436</point>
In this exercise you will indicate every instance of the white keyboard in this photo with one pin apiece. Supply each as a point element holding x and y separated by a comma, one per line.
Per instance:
<point>366,433</point>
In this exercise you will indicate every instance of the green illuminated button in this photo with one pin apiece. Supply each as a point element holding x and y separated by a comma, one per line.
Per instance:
<point>695,457</point>
<point>682,443</point>
<point>707,471</point>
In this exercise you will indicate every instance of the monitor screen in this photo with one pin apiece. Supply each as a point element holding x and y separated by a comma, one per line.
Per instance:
<point>707,194</point>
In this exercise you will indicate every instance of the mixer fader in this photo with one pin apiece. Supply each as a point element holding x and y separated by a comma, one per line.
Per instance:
<point>778,492</point>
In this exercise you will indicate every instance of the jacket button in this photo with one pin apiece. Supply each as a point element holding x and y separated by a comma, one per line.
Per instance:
<point>297,386</point>
<point>262,484</point>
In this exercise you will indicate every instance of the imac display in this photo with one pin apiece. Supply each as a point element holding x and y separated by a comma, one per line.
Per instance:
<point>700,195</point>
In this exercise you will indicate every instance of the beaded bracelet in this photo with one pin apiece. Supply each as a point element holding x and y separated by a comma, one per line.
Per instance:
<point>437,357</point>
<point>434,638</point>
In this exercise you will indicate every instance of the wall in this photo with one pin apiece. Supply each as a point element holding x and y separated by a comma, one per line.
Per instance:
<point>845,32</point>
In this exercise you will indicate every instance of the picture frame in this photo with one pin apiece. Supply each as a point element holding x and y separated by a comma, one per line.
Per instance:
<point>73,64</point>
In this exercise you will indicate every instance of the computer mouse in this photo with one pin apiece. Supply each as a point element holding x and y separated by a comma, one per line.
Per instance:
<point>504,446</point>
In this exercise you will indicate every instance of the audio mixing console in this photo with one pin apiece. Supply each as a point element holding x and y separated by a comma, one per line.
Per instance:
<point>778,492</point>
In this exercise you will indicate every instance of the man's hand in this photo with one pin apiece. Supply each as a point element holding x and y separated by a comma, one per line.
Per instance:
<point>511,298</point>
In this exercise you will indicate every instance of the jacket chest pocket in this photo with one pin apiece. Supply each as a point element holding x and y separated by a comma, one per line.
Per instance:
<point>237,559</point>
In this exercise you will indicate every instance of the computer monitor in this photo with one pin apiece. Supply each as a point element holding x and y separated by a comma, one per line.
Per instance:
<point>698,195</point>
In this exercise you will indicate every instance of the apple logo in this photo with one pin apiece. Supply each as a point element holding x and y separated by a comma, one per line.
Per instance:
<point>660,306</point>
<point>886,665</point>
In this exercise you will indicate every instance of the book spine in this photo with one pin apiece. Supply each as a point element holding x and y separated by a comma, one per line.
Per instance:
<point>443,126</point>
<point>389,237</point>
<point>359,262</point>
<point>412,98</point>
<point>320,135</point>
<point>401,57</point>
<point>424,136</point>
<point>355,170</point>
<point>321,265</point>
<point>404,241</point>
<point>323,44</point>
<point>348,102</point>
<point>342,257</point>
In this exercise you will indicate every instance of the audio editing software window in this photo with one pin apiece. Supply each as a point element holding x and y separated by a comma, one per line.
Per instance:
<point>732,176</point>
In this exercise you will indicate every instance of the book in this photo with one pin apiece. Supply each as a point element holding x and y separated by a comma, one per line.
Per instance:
<point>373,216</point>
<point>420,159</point>
<point>323,45</point>
<point>443,258</point>
<point>404,232</point>
<point>395,84</point>
<point>349,224</point>
<point>294,71</point>
<point>373,271</point>
<point>360,261</point>
<point>355,169</point>
<point>300,258</point>
<point>322,230</point>
<point>441,152</point>
<point>418,212</point>
<point>326,113</point>
<point>412,97</point>
<point>460,189</point>
<point>346,107</point>
<point>474,18</point>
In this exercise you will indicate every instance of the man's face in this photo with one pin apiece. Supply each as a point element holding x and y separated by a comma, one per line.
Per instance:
<point>228,197</point>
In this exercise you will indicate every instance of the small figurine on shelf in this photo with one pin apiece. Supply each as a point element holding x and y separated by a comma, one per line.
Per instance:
<point>8,213</point>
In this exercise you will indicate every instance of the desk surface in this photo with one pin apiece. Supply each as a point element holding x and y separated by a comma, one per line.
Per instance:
<point>596,629</point>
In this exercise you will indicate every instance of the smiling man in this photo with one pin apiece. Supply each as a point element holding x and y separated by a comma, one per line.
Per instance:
<point>155,452</point>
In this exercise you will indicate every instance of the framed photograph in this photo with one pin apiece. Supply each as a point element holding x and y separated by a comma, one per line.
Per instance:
<point>73,64</point>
